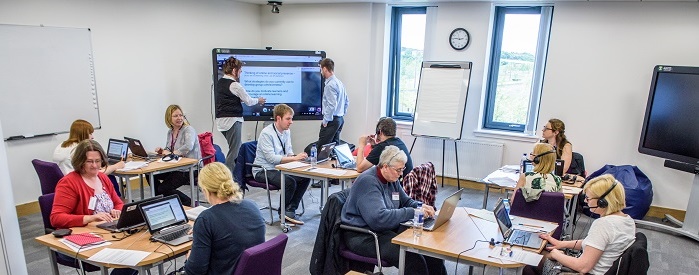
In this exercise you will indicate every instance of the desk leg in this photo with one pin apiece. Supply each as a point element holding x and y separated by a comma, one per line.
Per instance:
<point>401,261</point>
<point>324,196</point>
<point>151,177</point>
<point>282,205</point>
<point>142,178</point>
<point>485,196</point>
<point>161,269</point>
<point>104,270</point>
<point>52,260</point>
<point>191,184</point>
<point>129,196</point>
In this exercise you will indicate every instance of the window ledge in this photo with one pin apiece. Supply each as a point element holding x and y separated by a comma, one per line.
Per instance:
<point>505,135</point>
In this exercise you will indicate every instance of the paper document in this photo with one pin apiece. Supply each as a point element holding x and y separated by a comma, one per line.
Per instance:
<point>502,178</point>
<point>193,213</point>
<point>132,165</point>
<point>75,247</point>
<point>328,171</point>
<point>293,165</point>
<point>571,190</point>
<point>482,214</point>
<point>533,225</point>
<point>119,256</point>
<point>504,182</point>
<point>510,168</point>
<point>516,255</point>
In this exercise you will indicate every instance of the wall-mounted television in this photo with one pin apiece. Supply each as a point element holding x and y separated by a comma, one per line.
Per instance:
<point>671,123</point>
<point>280,76</point>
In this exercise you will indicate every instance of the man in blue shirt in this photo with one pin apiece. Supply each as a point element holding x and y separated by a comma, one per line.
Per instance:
<point>273,148</point>
<point>335,105</point>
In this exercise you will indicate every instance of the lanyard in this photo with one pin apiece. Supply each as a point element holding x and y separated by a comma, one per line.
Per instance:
<point>174,138</point>
<point>280,139</point>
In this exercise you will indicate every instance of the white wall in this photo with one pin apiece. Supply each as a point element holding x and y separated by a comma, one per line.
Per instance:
<point>11,262</point>
<point>148,54</point>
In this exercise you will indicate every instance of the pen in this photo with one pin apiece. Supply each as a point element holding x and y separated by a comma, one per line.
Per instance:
<point>530,225</point>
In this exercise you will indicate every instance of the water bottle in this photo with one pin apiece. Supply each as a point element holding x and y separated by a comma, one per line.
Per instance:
<point>506,202</point>
<point>314,156</point>
<point>418,220</point>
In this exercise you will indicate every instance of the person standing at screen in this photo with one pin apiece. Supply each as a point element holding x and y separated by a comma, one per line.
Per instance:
<point>229,98</point>
<point>334,105</point>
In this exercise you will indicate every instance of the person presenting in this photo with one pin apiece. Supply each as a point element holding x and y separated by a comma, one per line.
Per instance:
<point>219,237</point>
<point>273,148</point>
<point>385,136</point>
<point>542,178</point>
<point>554,133</point>
<point>79,130</point>
<point>608,237</point>
<point>229,98</point>
<point>334,105</point>
<point>182,140</point>
<point>377,202</point>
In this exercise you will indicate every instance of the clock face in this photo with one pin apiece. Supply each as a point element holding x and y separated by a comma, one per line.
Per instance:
<point>459,39</point>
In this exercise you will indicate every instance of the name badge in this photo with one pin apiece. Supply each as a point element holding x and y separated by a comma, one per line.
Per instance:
<point>395,196</point>
<point>93,202</point>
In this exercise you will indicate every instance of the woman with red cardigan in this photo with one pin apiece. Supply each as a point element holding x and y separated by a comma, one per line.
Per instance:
<point>86,194</point>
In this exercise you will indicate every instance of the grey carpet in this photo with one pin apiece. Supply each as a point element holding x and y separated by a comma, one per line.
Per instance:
<point>668,254</point>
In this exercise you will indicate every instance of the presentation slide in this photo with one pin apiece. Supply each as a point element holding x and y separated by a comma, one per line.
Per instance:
<point>276,84</point>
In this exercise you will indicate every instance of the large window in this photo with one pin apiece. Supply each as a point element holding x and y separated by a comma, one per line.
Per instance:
<point>407,47</point>
<point>518,59</point>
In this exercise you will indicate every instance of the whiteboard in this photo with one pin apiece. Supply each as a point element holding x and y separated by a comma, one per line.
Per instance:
<point>441,99</point>
<point>47,80</point>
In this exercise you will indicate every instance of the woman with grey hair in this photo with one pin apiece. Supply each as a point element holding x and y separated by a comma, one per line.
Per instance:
<point>377,202</point>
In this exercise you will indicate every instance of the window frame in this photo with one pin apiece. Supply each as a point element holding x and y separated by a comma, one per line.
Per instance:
<point>393,95</point>
<point>540,58</point>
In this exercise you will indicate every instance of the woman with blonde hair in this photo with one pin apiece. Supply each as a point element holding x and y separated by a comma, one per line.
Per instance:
<point>542,178</point>
<point>222,232</point>
<point>608,237</point>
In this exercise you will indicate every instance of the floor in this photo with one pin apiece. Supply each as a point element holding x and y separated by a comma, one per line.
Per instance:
<point>668,254</point>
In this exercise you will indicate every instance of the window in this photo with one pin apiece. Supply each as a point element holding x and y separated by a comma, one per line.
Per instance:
<point>518,59</point>
<point>407,47</point>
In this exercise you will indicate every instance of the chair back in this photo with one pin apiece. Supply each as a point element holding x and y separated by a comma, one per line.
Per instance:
<point>242,172</point>
<point>549,207</point>
<point>46,205</point>
<point>206,144</point>
<point>421,184</point>
<point>634,261</point>
<point>264,258</point>
<point>49,175</point>
<point>220,157</point>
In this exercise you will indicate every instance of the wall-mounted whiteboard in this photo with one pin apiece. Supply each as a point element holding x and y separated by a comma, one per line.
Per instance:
<point>441,99</point>
<point>47,80</point>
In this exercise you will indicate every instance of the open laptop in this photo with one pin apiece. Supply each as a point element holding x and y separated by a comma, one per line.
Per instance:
<point>445,213</point>
<point>514,236</point>
<point>323,153</point>
<point>117,150</point>
<point>345,159</point>
<point>137,149</point>
<point>166,220</point>
<point>558,170</point>
<point>131,217</point>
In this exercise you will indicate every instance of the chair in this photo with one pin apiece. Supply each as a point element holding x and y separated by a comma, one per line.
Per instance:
<point>220,157</point>
<point>49,175</point>
<point>634,260</point>
<point>549,207</point>
<point>349,255</point>
<point>46,206</point>
<point>244,177</point>
<point>264,258</point>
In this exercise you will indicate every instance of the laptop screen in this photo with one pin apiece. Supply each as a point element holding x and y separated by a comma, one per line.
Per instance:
<point>558,171</point>
<point>131,216</point>
<point>502,217</point>
<point>117,149</point>
<point>343,153</point>
<point>325,150</point>
<point>162,213</point>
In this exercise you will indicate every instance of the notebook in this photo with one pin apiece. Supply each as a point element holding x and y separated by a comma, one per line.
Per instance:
<point>117,150</point>
<point>345,159</point>
<point>558,170</point>
<point>323,153</point>
<point>445,213</point>
<point>84,239</point>
<point>514,236</point>
<point>131,217</point>
<point>166,220</point>
<point>137,149</point>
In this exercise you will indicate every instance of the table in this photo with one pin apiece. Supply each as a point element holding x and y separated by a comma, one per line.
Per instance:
<point>454,237</point>
<point>157,167</point>
<point>139,241</point>
<point>313,175</point>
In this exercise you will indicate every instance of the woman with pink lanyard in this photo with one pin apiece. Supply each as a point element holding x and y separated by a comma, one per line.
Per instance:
<point>182,141</point>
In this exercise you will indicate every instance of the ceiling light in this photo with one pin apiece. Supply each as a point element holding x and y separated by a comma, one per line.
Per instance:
<point>275,5</point>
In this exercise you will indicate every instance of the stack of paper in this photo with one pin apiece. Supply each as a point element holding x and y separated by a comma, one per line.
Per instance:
<point>132,165</point>
<point>119,256</point>
<point>84,241</point>
<point>293,165</point>
<point>193,213</point>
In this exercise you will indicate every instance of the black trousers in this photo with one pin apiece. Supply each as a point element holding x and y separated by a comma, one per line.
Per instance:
<point>331,132</point>
<point>363,244</point>
<point>294,187</point>
<point>167,183</point>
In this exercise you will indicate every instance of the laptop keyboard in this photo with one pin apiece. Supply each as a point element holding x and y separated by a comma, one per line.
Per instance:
<point>175,232</point>
<point>429,222</point>
<point>108,225</point>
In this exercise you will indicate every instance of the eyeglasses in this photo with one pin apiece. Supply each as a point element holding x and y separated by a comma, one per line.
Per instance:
<point>587,199</point>
<point>544,129</point>
<point>399,170</point>
<point>90,161</point>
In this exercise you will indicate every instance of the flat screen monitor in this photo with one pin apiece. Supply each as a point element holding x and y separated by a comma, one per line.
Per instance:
<point>280,76</point>
<point>671,124</point>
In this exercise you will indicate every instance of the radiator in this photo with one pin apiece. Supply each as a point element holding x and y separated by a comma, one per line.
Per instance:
<point>477,159</point>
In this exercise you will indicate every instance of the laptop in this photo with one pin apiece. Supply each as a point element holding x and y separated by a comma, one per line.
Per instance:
<point>514,236</point>
<point>558,170</point>
<point>323,153</point>
<point>345,159</point>
<point>137,149</point>
<point>445,213</point>
<point>130,218</point>
<point>117,150</point>
<point>166,220</point>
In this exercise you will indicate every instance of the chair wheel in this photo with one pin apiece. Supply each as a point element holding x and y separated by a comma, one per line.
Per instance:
<point>286,229</point>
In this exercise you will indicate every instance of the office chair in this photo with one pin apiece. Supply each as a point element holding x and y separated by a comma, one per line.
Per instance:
<point>634,260</point>
<point>549,207</point>
<point>264,258</point>
<point>49,175</point>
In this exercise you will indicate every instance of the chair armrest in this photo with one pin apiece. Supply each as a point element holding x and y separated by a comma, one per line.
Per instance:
<point>366,231</point>
<point>255,165</point>
<point>207,157</point>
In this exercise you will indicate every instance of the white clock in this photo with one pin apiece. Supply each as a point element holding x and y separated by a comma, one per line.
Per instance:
<point>459,39</point>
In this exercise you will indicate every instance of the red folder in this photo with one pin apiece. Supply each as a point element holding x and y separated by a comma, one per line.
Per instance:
<point>84,239</point>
